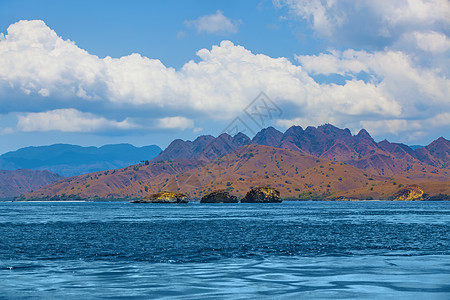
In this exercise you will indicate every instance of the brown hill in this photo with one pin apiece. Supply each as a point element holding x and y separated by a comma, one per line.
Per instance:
<point>436,154</point>
<point>130,182</point>
<point>294,174</point>
<point>18,182</point>
<point>322,162</point>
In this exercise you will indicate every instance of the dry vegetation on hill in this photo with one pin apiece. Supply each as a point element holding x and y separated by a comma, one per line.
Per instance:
<point>316,163</point>
<point>295,175</point>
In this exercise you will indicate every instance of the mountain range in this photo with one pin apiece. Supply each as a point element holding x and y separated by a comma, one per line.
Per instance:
<point>313,163</point>
<point>70,160</point>
<point>326,141</point>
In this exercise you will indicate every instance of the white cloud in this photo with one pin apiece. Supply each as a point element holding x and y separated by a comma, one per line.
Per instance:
<point>322,15</point>
<point>399,126</point>
<point>37,64</point>
<point>423,12</point>
<point>304,122</point>
<point>394,73</point>
<point>35,60</point>
<point>178,122</point>
<point>330,16</point>
<point>432,41</point>
<point>68,120</point>
<point>214,24</point>
<point>417,28</point>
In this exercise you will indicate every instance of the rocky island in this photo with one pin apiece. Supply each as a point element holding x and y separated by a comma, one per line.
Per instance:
<point>164,197</point>
<point>262,195</point>
<point>220,196</point>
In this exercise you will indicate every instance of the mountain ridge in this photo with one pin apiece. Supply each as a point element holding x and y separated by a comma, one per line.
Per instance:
<point>325,162</point>
<point>326,141</point>
<point>296,175</point>
<point>69,160</point>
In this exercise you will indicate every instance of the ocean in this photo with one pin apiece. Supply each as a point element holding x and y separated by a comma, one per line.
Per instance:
<point>290,250</point>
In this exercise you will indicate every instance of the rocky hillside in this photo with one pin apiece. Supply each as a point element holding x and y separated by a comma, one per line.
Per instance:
<point>15,183</point>
<point>205,147</point>
<point>294,174</point>
<point>315,163</point>
<point>326,141</point>
<point>436,154</point>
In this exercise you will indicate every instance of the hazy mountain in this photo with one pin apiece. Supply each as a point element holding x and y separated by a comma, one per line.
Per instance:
<point>70,160</point>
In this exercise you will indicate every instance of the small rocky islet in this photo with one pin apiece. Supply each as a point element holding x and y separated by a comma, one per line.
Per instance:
<point>262,195</point>
<point>410,193</point>
<point>220,196</point>
<point>255,195</point>
<point>163,197</point>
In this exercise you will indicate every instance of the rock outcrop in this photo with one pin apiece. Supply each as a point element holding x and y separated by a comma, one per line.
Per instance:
<point>220,196</point>
<point>262,195</point>
<point>409,193</point>
<point>164,197</point>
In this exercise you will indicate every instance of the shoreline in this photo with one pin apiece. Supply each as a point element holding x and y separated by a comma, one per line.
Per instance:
<point>283,200</point>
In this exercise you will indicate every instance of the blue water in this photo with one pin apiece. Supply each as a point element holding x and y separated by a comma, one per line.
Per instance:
<point>292,250</point>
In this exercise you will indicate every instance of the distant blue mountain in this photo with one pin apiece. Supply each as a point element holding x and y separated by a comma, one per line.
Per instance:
<point>70,160</point>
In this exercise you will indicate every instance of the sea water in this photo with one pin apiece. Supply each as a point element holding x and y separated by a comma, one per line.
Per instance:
<point>291,250</point>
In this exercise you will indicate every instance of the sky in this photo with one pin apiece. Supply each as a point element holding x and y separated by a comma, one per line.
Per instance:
<point>148,72</point>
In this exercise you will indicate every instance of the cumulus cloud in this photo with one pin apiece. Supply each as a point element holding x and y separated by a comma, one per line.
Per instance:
<point>420,12</point>
<point>370,23</point>
<point>68,120</point>
<point>178,122</point>
<point>417,28</point>
<point>37,64</point>
<point>214,24</point>
<point>394,72</point>
<point>432,41</point>
<point>35,60</point>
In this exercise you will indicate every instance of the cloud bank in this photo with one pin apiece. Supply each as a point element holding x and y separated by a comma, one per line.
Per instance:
<point>68,120</point>
<point>389,85</point>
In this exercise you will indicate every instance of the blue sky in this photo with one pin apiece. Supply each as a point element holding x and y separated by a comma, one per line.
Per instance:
<point>147,72</point>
